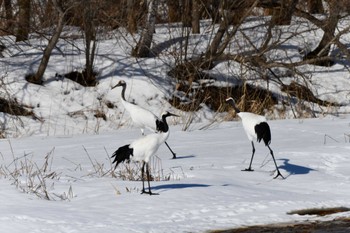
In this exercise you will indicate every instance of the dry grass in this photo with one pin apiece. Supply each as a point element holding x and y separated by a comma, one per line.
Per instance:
<point>132,171</point>
<point>33,178</point>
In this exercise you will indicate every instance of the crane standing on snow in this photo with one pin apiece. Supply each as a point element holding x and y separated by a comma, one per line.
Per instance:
<point>142,149</point>
<point>143,118</point>
<point>255,127</point>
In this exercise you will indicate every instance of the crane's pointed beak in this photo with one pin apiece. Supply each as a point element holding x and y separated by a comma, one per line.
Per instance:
<point>172,114</point>
<point>118,84</point>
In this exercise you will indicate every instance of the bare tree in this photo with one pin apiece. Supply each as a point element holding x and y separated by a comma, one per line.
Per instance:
<point>185,9</point>
<point>224,34</point>
<point>47,13</point>
<point>143,47</point>
<point>174,14</point>
<point>213,8</point>
<point>329,27</point>
<point>90,42</point>
<point>8,15</point>
<point>135,12</point>
<point>196,10</point>
<point>37,77</point>
<point>315,6</point>
<point>23,25</point>
<point>282,15</point>
<point>131,15</point>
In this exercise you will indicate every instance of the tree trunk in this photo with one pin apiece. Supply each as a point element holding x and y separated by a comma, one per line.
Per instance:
<point>315,7</point>
<point>8,15</point>
<point>132,19</point>
<point>23,27</point>
<point>196,5</point>
<point>214,45</point>
<point>90,43</point>
<point>186,13</point>
<point>37,77</point>
<point>215,11</point>
<point>143,47</point>
<point>219,43</point>
<point>238,9</point>
<point>174,14</point>
<point>323,48</point>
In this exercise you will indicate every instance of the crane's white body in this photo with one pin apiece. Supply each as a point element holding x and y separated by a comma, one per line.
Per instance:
<point>143,148</point>
<point>147,146</point>
<point>141,117</point>
<point>249,121</point>
<point>256,127</point>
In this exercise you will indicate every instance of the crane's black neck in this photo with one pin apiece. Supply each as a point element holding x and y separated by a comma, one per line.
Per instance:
<point>162,125</point>
<point>123,91</point>
<point>236,109</point>
<point>233,104</point>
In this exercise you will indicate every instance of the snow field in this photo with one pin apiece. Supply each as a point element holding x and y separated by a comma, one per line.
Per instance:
<point>206,190</point>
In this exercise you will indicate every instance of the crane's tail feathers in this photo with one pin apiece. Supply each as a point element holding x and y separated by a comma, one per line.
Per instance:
<point>122,154</point>
<point>263,132</point>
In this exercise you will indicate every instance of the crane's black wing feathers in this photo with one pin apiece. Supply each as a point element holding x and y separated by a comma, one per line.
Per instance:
<point>122,154</point>
<point>263,132</point>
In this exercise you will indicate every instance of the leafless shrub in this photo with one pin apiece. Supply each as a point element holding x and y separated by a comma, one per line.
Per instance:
<point>99,168</point>
<point>32,178</point>
<point>126,171</point>
<point>132,171</point>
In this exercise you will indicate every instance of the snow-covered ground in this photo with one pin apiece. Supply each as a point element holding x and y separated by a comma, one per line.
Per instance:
<point>64,156</point>
<point>206,187</point>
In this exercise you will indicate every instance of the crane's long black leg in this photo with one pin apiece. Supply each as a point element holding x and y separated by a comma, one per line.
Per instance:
<point>174,154</point>
<point>273,157</point>
<point>142,177</point>
<point>148,179</point>
<point>251,160</point>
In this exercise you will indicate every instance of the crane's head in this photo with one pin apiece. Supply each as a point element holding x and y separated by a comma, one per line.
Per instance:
<point>121,83</point>
<point>232,102</point>
<point>162,125</point>
<point>167,114</point>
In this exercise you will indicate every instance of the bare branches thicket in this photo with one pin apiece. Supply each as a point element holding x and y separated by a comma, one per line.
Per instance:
<point>260,53</point>
<point>252,52</point>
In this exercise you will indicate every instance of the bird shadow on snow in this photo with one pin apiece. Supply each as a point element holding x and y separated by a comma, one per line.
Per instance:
<point>179,186</point>
<point>185,157</point>
<point>294,169</point>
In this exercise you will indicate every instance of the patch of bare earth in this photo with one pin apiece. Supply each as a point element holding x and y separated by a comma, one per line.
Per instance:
<point>341,225</point>
<point>338,225</point>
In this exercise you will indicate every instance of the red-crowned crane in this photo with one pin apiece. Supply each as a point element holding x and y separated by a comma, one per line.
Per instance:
<point>142,149</point>
<point>256,128</point>
<point>142,117</point>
